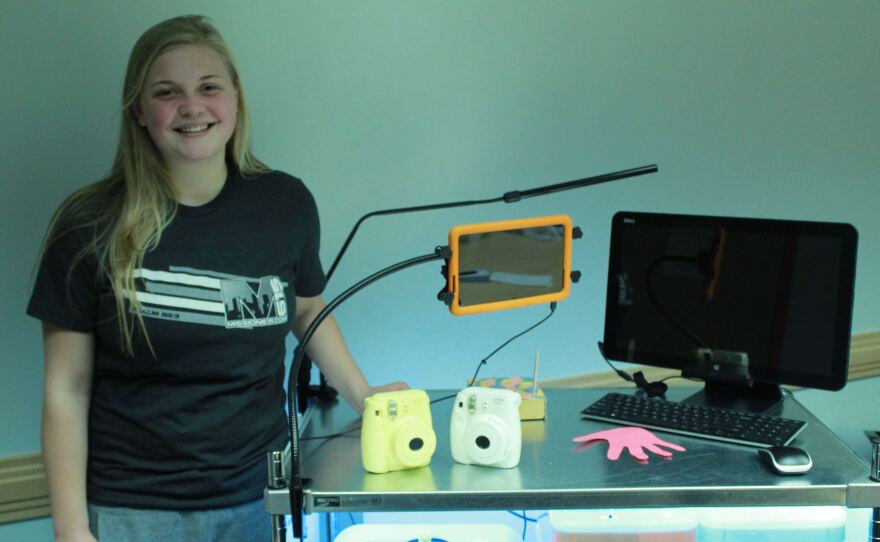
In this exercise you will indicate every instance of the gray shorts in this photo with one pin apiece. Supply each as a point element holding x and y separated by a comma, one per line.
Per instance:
<point>245,522</point>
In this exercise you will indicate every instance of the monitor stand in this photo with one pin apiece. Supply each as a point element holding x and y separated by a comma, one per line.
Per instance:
<point>756,397</point>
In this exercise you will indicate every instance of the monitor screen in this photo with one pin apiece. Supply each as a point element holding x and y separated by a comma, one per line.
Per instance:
<point>736,299</point>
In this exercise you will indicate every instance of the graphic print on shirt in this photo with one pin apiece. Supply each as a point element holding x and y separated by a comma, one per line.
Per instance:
<point>207,297</point>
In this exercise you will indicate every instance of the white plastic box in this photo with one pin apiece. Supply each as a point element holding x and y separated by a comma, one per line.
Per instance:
<point>773,523</point>
<point>624,525</point>
<point>447,533</point>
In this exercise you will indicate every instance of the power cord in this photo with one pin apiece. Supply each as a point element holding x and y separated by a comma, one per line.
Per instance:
<point>510,340</point>
<point>334,435</point>
<point>470,383</point>
<point>505,343</point>
<point>526,520</point>
<point>653,389</point>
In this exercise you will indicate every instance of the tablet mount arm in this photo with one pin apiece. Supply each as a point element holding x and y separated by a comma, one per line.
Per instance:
<point>296,481</point>
<point>322,391</point>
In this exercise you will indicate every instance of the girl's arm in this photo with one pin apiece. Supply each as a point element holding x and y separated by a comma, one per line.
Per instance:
<point>68,386</point>
<point>331,354</point>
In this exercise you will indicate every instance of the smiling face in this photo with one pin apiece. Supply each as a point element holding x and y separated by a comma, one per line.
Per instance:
<point>189,105</point>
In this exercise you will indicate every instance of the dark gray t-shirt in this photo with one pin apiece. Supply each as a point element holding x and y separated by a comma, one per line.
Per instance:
<point>188,428</point>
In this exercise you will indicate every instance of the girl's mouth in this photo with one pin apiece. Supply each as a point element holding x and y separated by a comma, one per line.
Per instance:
<point>195,128</point>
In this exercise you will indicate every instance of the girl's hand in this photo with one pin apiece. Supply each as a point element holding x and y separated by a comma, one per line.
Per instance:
<point>393,386</point>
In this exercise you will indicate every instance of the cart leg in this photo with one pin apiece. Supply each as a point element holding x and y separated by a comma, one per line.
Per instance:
<point>279,529</point>
<point>875,525</point>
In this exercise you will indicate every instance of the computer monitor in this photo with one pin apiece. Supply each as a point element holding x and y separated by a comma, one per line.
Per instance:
<point>744,304</point>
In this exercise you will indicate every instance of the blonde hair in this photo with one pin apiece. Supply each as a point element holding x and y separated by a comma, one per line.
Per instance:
<point>128,210</point>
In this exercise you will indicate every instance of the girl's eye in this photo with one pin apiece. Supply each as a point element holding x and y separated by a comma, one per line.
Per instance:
<point>163,93</point>
<point>210,87</point>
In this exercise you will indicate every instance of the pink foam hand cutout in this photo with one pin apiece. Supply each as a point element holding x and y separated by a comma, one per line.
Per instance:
<point>634,439</point>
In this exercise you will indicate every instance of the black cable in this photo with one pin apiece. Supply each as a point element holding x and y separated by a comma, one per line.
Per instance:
<point>681,377</point>
<point>333,435</point>
<point>479,365</point>
<point>622,374</point>
<point>510,340</point>
<point>526,520</point>
<point>401,210</point>
<point>653,389</point>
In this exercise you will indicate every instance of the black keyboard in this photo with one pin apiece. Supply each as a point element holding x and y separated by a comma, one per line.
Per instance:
<point>695,420</point>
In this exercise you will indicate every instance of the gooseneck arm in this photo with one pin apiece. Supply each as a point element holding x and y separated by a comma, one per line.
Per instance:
<point>296,482</point>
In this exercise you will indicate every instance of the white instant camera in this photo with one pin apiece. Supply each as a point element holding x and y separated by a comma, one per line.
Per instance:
<point>397,433</point>
<point>485,427</point>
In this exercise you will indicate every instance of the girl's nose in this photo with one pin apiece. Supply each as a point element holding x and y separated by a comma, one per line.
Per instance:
<point>189,107</point>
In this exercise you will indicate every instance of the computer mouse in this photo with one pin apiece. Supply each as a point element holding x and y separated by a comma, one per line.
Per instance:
<point>786,459</point>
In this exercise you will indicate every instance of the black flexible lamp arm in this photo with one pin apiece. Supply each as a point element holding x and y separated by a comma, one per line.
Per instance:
<point>417,208</point>
<point>513,196</point>
<point>296,484</point>
<point>507,197</point>
<point>517,195</point>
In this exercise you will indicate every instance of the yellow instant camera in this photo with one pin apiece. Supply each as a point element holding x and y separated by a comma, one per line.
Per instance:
<point>397,432</point>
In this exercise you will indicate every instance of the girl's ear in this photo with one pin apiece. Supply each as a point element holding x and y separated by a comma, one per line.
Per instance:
<point>138,114</point>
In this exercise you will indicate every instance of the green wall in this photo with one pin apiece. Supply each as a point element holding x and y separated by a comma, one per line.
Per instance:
<point>751,108</point>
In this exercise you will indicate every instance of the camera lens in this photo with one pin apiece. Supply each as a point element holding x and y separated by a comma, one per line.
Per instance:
<point>483,442</point>
<point>416,444</point>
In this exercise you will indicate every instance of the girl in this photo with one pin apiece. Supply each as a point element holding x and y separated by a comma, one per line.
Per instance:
<point>166,291</point>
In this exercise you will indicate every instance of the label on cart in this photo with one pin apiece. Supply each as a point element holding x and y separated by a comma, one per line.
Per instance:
<point>326,502</point>
<point>347,502</point>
